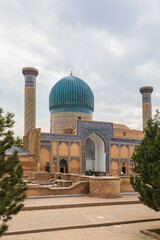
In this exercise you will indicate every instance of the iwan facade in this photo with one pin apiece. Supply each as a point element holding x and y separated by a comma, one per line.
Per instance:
<point>76,143</point>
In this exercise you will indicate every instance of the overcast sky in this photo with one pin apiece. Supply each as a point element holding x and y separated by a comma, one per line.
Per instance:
<point>113,45</point>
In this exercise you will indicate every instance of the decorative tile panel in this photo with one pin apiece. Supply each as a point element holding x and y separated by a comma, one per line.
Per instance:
<point>121,140</point>
<point>76,158</point>
<point>124,145</point>
<point>65,158</point>
<point>84,130</point>
<point>45,141</point>
<point>63,142</point>
<point>124,160</point>
<point>114,144</point>
<point>47,146</point>
<point>114,159</point>
<point>75,142</point>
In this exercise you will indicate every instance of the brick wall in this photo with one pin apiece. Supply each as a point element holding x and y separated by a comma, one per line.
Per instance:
<point>75,150</point>
<point>104,186</point>
<point>125,184</point>
<point>62,120</point>
<point>129,134</point>
<point>77,188</point>
<point>63,149</point>
<point>74,166</point>
<point>44,158</point>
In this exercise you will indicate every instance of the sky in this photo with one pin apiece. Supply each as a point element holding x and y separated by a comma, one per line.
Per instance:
<point>112,45</point>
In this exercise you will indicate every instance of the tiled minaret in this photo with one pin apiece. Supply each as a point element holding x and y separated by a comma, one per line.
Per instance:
<point>146,103</point>
<point>30,75</point>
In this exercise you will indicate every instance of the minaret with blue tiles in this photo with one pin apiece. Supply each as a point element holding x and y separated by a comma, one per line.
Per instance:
<point>30,75</point>
<point>146,103</point>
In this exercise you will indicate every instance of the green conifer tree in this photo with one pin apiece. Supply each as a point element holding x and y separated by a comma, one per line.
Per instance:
<point>147,165</point>
<point>18,142</point>
<point>12,186</point>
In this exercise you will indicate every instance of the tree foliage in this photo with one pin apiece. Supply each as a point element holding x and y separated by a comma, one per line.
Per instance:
<point>18,142</point>
<point>12,186</point>
<point>147,165</point>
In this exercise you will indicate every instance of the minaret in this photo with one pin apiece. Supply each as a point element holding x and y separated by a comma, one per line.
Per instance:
<point>30,75</point>
<point>146,103</point>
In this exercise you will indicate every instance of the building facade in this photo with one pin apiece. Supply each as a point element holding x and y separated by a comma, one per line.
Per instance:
<point>76,143</point>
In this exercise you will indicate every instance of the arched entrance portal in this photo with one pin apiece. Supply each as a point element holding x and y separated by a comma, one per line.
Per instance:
<point>63,166</point>
<point>95,156</point>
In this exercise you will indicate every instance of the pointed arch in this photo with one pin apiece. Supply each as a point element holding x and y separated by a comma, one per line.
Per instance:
<point>124,152</point>
<point>63,149</point>
<point>63,164</point>
<point>114,167</point>
<point>75,150</point>
<point>114,151</point>
<point>97,163</point>
<point>45,156</point>
<point>124,167</point>
<point>98,134</point>
<point>74,166</point>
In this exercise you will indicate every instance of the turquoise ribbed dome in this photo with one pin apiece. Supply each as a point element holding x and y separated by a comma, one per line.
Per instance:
<point>71,94</point>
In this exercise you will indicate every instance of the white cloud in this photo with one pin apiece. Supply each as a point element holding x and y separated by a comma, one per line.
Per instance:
<point>112,45</point>
<point>116,47</point>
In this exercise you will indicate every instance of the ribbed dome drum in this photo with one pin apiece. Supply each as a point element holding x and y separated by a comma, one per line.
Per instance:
<point>70,99</point>
<point>71,94</point>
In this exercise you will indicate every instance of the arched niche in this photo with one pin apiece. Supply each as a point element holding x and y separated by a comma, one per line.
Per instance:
<point>114,168</point>
<point>74,166</point>
<point>124,152</point>
<point>44,161</point>
<point>63,149</point>
<point>131,151</point>
<point>75,150</point>
<point>114,151</point>
<point>124,167</point>
<point>63,165</point>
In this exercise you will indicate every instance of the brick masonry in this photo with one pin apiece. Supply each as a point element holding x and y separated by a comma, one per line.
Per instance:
<point>63,120</point>
<point>52,148</point>
<point>104,186</point>
<point>94,186</point>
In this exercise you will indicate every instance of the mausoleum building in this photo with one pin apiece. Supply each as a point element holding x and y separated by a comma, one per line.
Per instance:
<point>76,143</point>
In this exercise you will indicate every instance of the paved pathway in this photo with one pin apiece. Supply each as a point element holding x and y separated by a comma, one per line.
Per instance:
<point>80,217</point>
<point>76,200</point>
<point>122,232</point>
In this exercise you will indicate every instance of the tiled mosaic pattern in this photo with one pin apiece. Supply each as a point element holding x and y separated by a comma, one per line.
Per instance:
<point>71,93</point>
